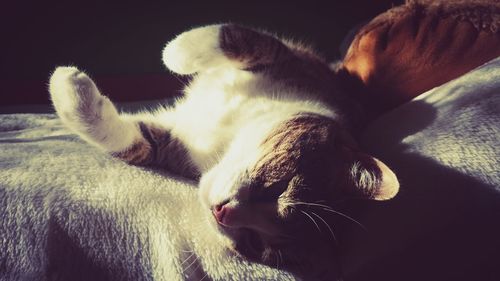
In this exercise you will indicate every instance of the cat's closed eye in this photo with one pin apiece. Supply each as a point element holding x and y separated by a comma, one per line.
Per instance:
<point>260,123</point>
<point>273,191</point>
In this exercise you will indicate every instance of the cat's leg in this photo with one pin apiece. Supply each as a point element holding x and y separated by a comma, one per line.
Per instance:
<point>212,46</point>
<point>136,139</point>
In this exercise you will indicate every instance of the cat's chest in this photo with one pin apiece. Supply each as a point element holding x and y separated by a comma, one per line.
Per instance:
<point>223,107</point>
<point>208,122</point>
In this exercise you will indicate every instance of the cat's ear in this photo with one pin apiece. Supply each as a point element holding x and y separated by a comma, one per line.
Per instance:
<point>370,178</point>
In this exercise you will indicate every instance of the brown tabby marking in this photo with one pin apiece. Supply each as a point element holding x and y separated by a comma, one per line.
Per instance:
<point>136,154</point>
<point>291,143</point>
<point>302,150</point>
<point>157,147</point>
<point>253,49</point>
<point>291,64</point>
<point>293,158</point>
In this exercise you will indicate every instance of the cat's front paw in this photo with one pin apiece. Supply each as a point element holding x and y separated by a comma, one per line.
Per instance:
<point>194,50</point>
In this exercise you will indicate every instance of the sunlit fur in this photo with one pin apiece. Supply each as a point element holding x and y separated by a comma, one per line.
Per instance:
<point>248,120</point>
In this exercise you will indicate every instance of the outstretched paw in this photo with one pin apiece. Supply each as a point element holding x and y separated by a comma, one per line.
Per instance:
<point>88,113</point>
<point>74,94</point>
<point>194,50</point>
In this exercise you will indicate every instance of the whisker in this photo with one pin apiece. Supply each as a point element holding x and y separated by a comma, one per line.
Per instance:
<point>187,259</point>
<point>329,209</point>
<point>184,270</point>
<point>327,225</point>
<point>312,219</point>
<point>198,266</point>
<point>347,217</point>
<point>201,226</point>
<point>312,204</point>
<point>205,276</point>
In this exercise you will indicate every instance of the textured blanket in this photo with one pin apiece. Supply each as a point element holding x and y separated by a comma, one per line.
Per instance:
<point>70,212</point>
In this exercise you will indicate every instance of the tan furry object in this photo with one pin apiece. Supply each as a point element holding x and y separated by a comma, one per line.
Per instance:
<point>420,45</point>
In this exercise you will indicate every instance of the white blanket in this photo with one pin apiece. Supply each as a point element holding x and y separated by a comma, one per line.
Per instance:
<point>70,212</point>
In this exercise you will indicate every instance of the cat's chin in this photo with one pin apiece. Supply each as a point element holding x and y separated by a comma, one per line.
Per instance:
<point>245,242</point>
<point>242,242</point>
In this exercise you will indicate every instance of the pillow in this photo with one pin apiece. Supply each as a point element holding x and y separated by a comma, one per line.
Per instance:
<point>417,46</point>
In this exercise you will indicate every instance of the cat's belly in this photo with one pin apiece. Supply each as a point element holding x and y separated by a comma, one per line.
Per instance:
<point>208,125</point>
<point>213,115</point>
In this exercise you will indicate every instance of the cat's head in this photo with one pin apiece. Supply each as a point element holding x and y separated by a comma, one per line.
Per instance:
<point>277,206</point>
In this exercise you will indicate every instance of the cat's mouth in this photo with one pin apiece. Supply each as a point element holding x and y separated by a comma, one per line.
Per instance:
<point>247,242</point>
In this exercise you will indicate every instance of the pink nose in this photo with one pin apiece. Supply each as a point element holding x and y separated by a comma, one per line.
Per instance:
<point>219,212</point>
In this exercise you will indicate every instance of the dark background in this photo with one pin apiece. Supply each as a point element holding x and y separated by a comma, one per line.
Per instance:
<point>119,43</point>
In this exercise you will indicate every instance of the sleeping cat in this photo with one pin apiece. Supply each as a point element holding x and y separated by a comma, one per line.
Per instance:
<point>265,128</point>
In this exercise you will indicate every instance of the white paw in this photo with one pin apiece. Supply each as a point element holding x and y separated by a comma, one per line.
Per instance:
<point>194,51</point>
<point>72,92</point>
<point>78,102</point>
<point>88,113</point>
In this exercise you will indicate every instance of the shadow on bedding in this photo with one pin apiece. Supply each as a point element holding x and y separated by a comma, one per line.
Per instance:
<point>443,225</point>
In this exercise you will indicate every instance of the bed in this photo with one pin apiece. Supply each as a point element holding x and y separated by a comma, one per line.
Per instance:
<point>70,212</point>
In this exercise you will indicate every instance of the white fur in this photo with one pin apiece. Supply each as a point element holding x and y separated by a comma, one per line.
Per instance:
<point>224,120</point>
<point>70,90</point>
<point>141,225</point>
<point>136,223</point>
<point>115,213</point>
<point>195,50</point>
<point>224,116</point>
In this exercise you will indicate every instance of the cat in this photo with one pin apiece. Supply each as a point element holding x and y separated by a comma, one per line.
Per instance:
<point>265,128</point>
